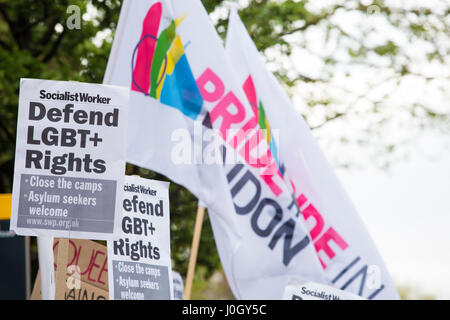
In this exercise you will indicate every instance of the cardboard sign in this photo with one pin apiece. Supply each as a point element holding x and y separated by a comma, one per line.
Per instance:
<point>85,291</point>
<point>86,276</point>
<point>91,259</point>
<point>70,159</point>
<point>316,291</point>
<point>139,260</point>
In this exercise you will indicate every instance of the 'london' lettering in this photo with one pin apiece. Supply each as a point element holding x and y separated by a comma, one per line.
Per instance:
<point>257,206</point>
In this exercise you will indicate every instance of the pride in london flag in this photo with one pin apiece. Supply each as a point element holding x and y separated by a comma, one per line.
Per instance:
<point>345,250</point>
<point>191,121</point>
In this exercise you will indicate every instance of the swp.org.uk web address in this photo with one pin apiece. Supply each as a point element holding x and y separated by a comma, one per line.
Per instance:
<point>53,223</point>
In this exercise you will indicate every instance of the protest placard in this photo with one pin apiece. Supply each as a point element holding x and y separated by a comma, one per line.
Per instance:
<point>308,290</point>
<point>70,159</point>
<point>86,276</point>
<point>139,259</point>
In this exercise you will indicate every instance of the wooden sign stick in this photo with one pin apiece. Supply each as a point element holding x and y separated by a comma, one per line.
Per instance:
<point>194,252</point>
<point>61,268</point>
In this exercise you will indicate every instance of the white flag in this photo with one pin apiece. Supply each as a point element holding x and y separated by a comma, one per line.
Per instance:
<point>343,245</point>
<point>188,113</point>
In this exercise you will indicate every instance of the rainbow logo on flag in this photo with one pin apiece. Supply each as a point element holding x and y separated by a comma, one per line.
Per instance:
<point>263,122</point>
<point>160,68</point>
<point>265,126</point>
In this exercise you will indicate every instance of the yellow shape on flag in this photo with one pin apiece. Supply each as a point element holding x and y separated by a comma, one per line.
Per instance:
<point>5,206</point>
<point>173,56</point>
<point>180,19</point>
<point>268,135</point>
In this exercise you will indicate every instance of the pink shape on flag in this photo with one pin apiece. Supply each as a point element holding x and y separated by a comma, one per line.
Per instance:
<point>146,49</point>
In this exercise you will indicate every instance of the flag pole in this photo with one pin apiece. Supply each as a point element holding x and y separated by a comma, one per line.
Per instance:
<point>194,251</point>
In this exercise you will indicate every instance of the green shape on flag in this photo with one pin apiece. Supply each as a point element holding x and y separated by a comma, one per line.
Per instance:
<point>162,46</point>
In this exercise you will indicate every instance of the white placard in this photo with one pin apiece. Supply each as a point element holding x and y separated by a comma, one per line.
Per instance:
<point>70,159</point>
<point>316,291</point>
<point>139,264</point>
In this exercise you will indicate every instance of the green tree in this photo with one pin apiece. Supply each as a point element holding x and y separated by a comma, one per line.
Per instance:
<point>411,292</point>
<point>36,43</point>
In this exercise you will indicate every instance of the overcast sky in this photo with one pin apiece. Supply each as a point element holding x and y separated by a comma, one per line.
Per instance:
<point>407,212</point>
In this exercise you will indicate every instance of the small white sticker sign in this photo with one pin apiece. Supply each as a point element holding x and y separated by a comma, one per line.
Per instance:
<point>70,159</point>
<point>178,286</point>
<point>139,263</point>
<point>316,291</point>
